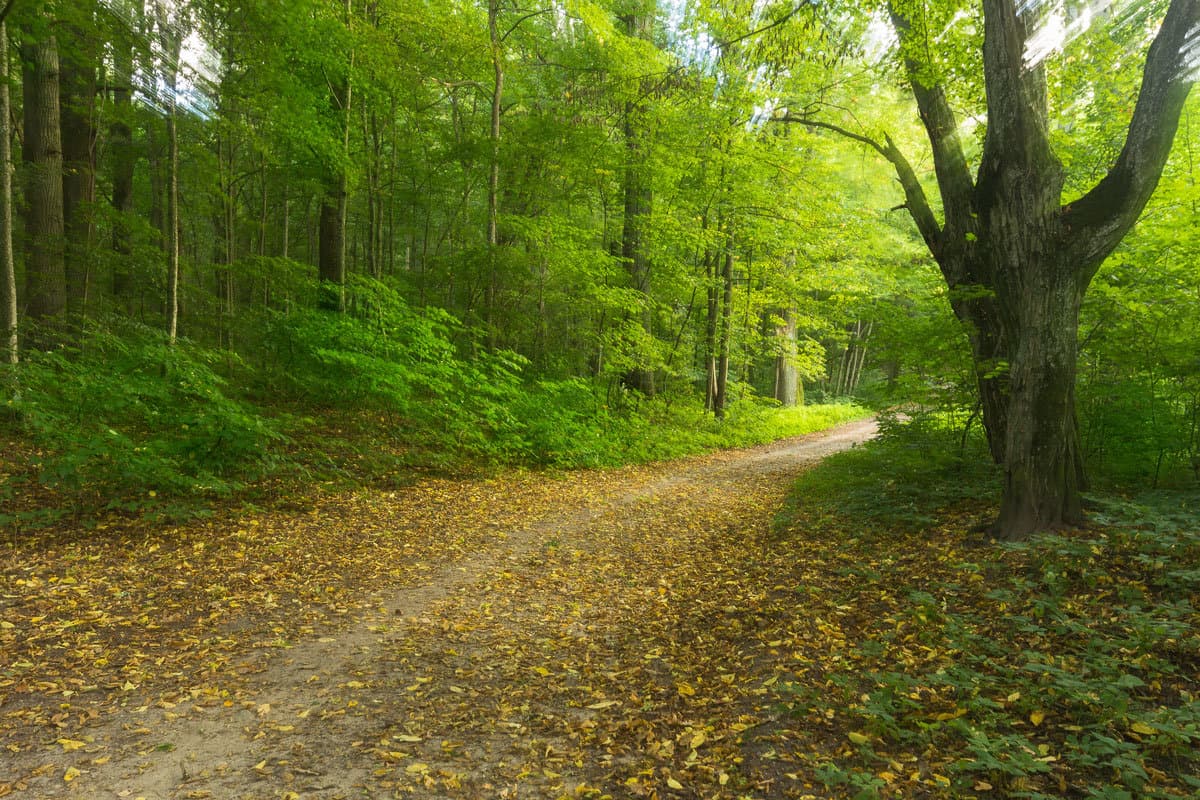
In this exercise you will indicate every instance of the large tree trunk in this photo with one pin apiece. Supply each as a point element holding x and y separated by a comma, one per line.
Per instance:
<point>78,99</point>
<point>45,267</point>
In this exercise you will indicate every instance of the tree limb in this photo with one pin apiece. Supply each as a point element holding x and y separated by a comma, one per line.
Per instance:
<point>1100,219</point>
<point>949,162</point>
<point>914,194</point>
<point>723,45</point>
<point>7,8</point>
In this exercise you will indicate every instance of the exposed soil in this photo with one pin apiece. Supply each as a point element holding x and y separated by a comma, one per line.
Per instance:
<point>585,635</point>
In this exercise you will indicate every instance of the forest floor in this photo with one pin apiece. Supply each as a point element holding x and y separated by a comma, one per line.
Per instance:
<point>610,632</point>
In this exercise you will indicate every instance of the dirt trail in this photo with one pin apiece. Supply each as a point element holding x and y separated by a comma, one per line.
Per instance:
<point>500,676</point>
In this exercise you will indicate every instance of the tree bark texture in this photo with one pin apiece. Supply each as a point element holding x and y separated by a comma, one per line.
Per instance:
<point>787,381</point>
<point>45,267</point>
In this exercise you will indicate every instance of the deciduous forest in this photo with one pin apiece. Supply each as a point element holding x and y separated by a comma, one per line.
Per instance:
<point>406,394</point>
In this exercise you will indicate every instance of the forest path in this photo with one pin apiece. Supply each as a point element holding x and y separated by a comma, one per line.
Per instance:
<point>605,644</point>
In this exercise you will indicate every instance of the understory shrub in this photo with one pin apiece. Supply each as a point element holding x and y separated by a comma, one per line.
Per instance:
<point>124,415</point>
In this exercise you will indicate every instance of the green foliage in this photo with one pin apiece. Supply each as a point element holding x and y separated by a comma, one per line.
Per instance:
<point>916,468</point>
<point>123,416</point>
<point>1070,657</point>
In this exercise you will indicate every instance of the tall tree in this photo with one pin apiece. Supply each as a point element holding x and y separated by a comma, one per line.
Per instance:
<point>638,197</point>
<point>331,266</point>
<point>170,31</point>
<point>7,267</point>
<point>79,43</point>
<point>120,144</point>
<point>45,267</point>
<point>1016,258</point>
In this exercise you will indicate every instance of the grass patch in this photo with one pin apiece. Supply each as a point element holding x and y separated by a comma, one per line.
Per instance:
<point>1066,666</point>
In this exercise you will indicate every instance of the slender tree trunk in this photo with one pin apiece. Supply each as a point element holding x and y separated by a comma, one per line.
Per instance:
<point>45,267</point>
<point>171,36</point>
<point>711,324</point>
<point>493,241</point>
<point>637,210</point>
<point>331,263</point>
<point>7,270</point>
<point>721,399</point>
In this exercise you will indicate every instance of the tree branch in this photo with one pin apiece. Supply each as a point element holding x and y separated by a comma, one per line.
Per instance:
<point>949,162</point>
<point>724,45</point>
<point>914,194</point>
<point>1101,218</point>
<point>7,8</point>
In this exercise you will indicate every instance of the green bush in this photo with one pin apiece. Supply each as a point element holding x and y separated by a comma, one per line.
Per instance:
<point>124,415</point>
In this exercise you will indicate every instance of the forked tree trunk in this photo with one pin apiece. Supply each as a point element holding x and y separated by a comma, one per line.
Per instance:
<point>1017,262</point>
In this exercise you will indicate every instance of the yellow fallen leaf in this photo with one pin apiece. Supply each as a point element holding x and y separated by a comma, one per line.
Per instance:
<point>262,765</point>
<point>1142,728</point>
<point>674,784</point>
<point>983,786</point>
<point>404,737</point>
<point>542,671</point>
<point>685,690</point>
<point>70,744</point>
<point>1036,717</point>
<point>70,775</point>
<point>602,704</point>
<point>698,739</point>
<point>722,778</point>
<point>941,780</point>
<point>858,738</point>
<point>417,768</point>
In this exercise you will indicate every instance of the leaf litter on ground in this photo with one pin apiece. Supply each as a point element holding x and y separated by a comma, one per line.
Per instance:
<point>656,634</point>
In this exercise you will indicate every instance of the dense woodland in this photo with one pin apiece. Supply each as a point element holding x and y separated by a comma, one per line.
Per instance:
<point>245,238</point>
